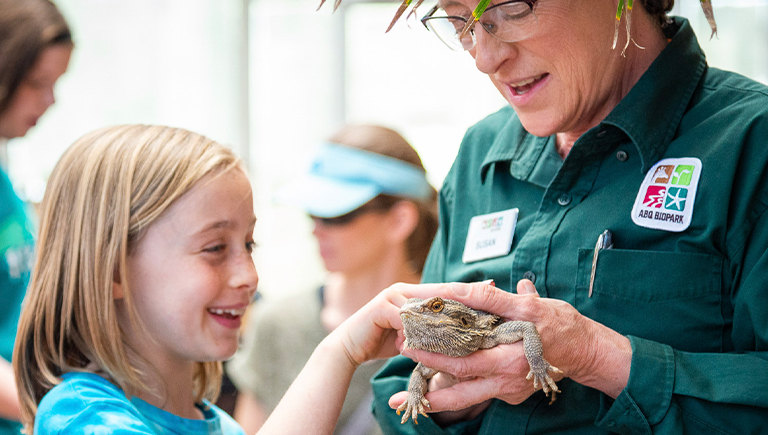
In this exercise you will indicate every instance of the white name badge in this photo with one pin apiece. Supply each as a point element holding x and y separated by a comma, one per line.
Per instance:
<point>490,235</point>
<point>666,198</point>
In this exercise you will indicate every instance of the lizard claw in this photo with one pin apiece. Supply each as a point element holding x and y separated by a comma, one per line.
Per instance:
<point>413,406</point>
<point>541,379</point>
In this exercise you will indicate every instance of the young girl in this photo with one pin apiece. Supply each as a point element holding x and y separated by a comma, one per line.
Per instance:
<point>143,270</point>
<point>142,273</point>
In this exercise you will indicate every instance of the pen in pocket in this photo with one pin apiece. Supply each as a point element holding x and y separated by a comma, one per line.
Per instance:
<point>605,241</point>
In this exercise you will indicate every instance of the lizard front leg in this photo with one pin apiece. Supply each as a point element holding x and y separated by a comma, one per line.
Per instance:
<point>415,403</point>
<point>510,332</point>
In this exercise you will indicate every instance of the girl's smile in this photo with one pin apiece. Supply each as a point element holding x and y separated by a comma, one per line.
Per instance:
<point>228,317</point>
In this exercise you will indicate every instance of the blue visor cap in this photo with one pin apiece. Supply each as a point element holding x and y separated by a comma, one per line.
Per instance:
<point>342,179</point>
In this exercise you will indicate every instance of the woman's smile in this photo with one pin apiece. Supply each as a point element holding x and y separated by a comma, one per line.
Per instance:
<point>523,86</point>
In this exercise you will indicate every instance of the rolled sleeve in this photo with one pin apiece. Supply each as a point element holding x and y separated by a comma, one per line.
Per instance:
<point>648,395</point>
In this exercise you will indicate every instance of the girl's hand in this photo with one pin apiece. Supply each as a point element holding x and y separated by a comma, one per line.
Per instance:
<point>374,331</point>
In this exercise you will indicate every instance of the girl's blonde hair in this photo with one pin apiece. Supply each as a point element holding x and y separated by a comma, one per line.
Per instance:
<point>103,194</point>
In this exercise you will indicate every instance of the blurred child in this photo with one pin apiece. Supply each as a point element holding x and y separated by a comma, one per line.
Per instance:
<point>35,46</point>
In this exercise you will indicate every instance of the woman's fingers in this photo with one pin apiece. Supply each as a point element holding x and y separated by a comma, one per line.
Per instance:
<point>526,287</point>
<point>461,396</point>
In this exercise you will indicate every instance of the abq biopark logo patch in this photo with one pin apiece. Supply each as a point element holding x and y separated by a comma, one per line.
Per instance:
<point>666,197</point>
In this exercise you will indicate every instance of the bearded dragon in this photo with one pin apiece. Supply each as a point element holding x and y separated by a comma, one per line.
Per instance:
<point>451,328</point>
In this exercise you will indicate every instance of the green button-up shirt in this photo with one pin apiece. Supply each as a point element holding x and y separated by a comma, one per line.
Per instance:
<point>694,303</point>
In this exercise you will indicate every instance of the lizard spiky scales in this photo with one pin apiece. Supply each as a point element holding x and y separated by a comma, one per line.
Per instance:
<point>451,328</point>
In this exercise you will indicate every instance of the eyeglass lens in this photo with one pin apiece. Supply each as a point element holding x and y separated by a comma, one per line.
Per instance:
<point>339,220</point>
<point>510,21</point>
<point>349,217</point>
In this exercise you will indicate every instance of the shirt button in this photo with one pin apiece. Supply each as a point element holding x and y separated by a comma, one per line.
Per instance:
<point>530,276</point>
<point>622,155</point>
<point>564,199</point>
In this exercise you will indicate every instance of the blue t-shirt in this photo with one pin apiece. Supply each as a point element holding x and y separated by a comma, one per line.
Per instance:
<point>16,259</point>
<point>86,403</point>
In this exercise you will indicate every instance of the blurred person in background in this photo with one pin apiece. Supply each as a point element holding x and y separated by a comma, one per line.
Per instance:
<point>35,46</point>
<point>375,216</point>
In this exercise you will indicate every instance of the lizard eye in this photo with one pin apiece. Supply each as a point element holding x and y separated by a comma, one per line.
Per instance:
<point>437,305</point>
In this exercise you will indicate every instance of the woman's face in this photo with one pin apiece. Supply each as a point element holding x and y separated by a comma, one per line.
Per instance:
<point>356,245</point>
<point>35,93</point>
<point>565,77</point>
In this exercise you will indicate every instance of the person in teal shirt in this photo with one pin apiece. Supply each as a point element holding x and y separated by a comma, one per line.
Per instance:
<point>625,199</point>
<point>16,258</point>
<point>35,46</point>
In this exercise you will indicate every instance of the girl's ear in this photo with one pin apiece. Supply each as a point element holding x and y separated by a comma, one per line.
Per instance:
<point>404,216</point>
<point>117,285</point>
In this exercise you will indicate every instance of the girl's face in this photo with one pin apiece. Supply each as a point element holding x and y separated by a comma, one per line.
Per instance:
<point>35,93</point>
<point>192,275</point>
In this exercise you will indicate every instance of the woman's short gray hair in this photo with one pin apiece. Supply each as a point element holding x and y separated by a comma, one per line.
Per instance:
<point>659,9</point>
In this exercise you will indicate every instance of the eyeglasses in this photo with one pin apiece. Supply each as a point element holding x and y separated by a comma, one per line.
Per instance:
<point>345,219</point>
<point>510,21</point>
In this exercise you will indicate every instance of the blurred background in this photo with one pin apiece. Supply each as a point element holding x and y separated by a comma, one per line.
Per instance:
<point>272,79</point>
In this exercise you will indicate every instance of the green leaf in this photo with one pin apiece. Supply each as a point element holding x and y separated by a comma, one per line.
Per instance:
<point>480,9</point>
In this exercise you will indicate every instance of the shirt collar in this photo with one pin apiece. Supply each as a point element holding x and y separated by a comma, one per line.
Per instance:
<point>653,109</point>
<point>649,114</point>
<point>523,156</point>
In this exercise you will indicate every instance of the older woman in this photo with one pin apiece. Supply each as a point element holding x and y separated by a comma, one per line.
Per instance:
<point>635,182</point>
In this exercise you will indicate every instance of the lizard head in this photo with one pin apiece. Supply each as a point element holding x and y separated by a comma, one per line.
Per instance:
<point>444,325</point>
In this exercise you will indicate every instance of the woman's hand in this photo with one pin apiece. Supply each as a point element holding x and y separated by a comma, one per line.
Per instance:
<point>584,350</point>
<point>442,381</point>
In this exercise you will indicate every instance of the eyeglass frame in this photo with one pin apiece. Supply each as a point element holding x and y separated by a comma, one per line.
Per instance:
<point>379,204</point>
<point>429,15</point>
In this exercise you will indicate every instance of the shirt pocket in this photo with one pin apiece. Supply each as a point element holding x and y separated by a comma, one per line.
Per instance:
<point>668,297</point>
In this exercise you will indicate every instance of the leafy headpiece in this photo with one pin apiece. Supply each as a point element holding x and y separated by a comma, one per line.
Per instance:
<point>624,6</point>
